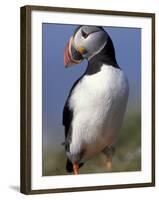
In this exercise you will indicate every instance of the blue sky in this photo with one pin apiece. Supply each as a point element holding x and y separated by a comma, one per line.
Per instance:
<point>57,80</point>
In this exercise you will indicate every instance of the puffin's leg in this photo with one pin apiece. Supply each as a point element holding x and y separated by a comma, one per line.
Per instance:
<point>109,163</point>
<point>109,152</point>
<point>75,168</point>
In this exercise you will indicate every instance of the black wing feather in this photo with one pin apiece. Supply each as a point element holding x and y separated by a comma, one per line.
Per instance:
<point>68,112</point>
<point>67,118</point>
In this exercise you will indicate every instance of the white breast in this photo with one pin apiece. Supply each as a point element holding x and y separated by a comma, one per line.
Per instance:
<point>98,102</point>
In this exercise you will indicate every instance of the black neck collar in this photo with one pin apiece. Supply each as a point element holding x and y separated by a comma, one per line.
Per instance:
<point>106,56</point>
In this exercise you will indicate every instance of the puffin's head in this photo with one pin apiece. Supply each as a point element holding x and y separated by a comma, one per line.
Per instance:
<point>86,42</point>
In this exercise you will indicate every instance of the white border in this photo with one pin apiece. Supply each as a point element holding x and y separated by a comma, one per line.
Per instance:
<point>52,182</point>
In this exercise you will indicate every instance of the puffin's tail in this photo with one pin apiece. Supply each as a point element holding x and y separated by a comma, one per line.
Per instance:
<point>69,166</point>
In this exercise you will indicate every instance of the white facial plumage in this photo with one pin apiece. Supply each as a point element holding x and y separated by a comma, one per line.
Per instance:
<point>91,38</point>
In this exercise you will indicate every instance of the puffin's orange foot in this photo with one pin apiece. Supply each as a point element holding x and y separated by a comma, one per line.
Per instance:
<point>109,163</point>
<point>75,168</point>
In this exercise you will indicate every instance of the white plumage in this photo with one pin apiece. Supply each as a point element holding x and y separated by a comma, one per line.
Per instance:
<point>98,102</point>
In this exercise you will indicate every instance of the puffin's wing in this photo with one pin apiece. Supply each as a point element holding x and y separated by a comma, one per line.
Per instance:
<point>67,118</point>
<point>68,112</point>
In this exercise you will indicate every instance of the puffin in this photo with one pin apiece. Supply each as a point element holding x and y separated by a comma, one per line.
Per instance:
<point>94,109</point>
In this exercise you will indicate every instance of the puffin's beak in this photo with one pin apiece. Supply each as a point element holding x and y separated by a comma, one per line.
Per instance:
<point>71,55</point>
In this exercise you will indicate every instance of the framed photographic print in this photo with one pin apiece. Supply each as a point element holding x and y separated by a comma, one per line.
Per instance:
<point>87,99</point>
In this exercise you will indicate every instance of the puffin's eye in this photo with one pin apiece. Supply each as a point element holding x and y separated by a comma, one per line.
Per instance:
<point>84,34</point>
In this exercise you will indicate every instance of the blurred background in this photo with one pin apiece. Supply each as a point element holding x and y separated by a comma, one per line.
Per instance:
<point>56,84</point>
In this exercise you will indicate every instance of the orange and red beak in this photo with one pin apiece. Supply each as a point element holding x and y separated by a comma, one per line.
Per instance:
<point>71,55</point>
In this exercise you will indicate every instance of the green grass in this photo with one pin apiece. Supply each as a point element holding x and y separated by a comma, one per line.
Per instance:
<point>126,158</point>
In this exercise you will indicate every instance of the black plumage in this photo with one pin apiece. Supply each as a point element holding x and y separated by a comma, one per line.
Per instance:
<point>106,56</point>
